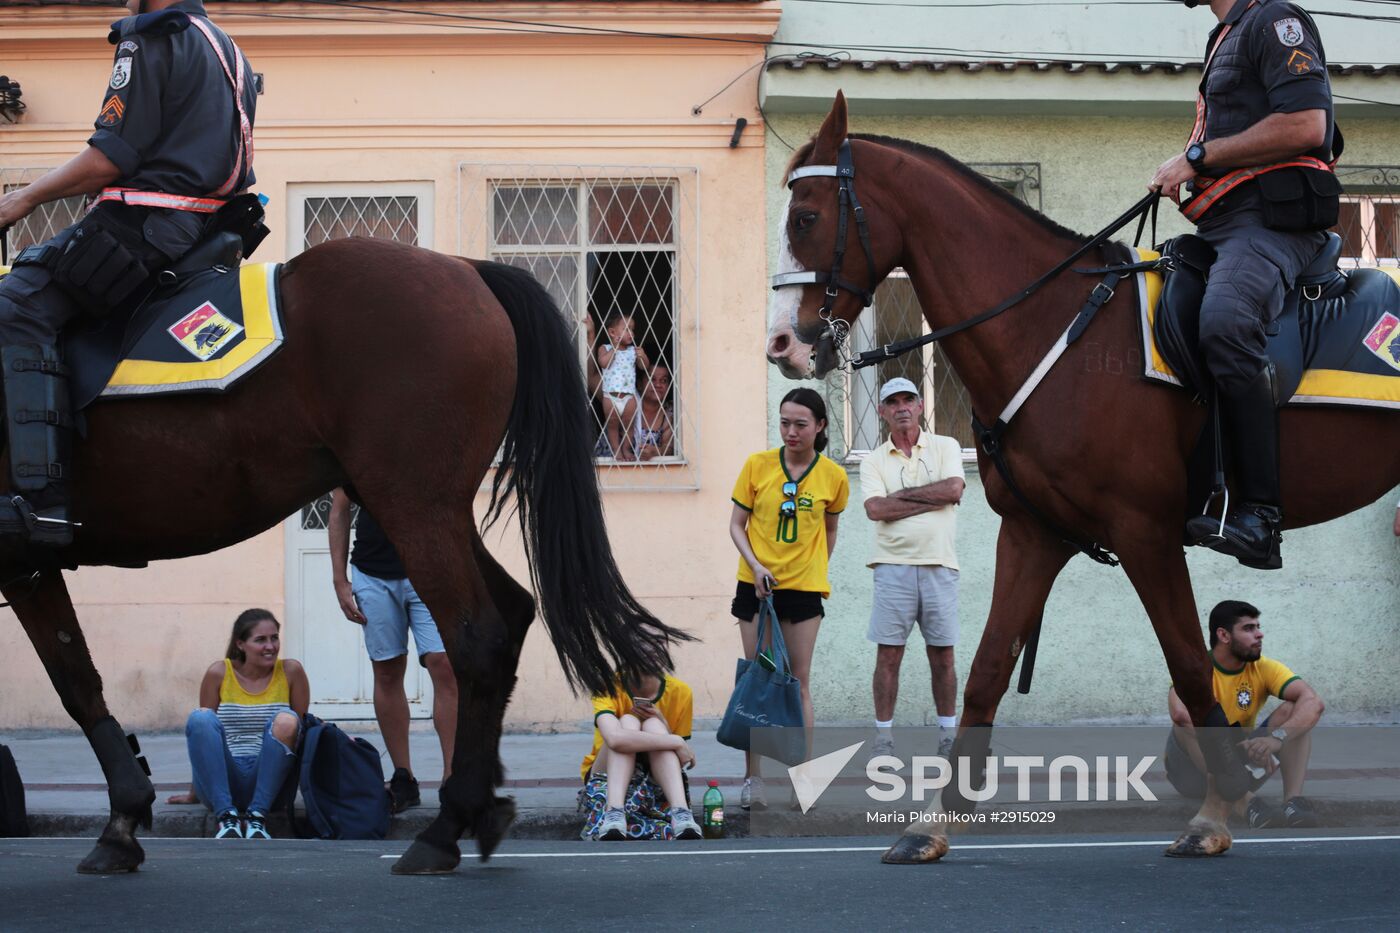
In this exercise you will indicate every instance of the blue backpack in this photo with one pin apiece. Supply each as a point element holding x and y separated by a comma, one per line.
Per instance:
<point>342,784</point>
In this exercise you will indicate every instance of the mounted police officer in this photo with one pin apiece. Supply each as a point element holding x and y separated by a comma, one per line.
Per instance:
<point>1258,167</point>
<point>173,141</point>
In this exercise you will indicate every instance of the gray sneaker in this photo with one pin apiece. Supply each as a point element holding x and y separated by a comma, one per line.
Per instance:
<point>255,826</point>
<point>683,824</point>
<point>945,746</point>
<point>613,826</point>
<point>883,743</point>
<point>752,797</point>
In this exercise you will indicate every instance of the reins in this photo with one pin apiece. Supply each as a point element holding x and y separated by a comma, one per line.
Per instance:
<point>1139,211</point>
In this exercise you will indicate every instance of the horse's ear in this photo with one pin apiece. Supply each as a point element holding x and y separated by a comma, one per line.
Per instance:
<point>832,133</point>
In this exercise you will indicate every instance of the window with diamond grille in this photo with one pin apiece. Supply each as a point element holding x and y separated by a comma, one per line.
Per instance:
<point>1369,219</point>
<point>46,220</point>
<point>609,253</point>
<point>853,398</point>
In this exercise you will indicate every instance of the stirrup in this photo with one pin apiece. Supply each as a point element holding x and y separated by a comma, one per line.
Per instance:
<point>1211,540</point>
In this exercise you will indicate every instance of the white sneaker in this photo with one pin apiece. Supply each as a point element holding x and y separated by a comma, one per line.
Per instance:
<point>883,744</point>
<point>613,826</point>
<point>945,746</point>
<point>230,827</point>
<point>752,797</point>
<point>683,824</point>
<point>255,826</point>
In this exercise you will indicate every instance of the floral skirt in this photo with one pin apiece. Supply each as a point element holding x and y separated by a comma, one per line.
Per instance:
<point>645,806</point>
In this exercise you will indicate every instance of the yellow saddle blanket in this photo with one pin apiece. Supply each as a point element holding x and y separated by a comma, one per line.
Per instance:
<point>1352,357</point>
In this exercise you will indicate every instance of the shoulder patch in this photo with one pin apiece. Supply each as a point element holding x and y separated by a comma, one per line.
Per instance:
<point>127,46</point>
<point>121,73</point>
<point>112,111</point>
<point>1300,62</point>
<point>1289,31</point>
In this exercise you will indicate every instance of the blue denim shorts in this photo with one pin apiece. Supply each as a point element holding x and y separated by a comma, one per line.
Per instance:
<point>391,608</point>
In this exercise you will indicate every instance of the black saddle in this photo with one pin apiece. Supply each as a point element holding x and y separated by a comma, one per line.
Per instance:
<point>1323,292</point>
<point>94,347</point>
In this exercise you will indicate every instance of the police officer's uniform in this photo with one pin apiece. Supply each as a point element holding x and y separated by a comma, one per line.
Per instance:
<point>1264,223</point>
<point>176,119</point>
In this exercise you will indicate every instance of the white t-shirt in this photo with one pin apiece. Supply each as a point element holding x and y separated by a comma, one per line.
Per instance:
<point>927,538</point>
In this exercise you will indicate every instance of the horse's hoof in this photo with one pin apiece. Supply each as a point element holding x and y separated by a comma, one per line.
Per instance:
<point>425,859</point>
<point>1200,841</point>
<point>915,849</point>
<point>112,858</point>
<point>493,824</point>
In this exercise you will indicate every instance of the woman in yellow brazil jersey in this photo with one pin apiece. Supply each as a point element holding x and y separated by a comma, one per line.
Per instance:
<point>786,505</point>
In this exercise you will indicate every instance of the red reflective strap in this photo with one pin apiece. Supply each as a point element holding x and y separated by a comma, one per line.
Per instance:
<point>176,202</point>
<point>1205,198</point>
<point>235,79</point>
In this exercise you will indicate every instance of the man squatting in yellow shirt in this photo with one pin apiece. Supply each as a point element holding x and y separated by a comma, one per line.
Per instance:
<point>1243,681</point>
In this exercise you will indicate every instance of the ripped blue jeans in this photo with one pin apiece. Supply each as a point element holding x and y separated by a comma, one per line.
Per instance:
<point>223,781</point>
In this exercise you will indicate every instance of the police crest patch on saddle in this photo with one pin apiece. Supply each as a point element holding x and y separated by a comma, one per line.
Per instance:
<point>1336,342</point>
<point>203,335</point>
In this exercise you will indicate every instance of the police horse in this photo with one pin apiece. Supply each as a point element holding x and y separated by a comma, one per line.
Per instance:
<point>403,372</point>
<point>1093,455</point>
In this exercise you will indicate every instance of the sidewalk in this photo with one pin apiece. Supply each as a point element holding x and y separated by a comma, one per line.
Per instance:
<point>1354,781</point>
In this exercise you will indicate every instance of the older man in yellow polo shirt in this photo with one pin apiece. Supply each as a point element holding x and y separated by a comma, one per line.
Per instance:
<point>912,485</point>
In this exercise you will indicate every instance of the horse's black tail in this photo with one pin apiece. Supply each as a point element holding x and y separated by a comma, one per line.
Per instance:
<point>596,623</point>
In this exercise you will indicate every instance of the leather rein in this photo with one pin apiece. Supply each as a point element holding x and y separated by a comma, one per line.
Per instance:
<point>989,438</point>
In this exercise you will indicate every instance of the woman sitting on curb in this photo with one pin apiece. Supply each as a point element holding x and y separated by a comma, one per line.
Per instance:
<point>639,751</point>
<point>242,740</point>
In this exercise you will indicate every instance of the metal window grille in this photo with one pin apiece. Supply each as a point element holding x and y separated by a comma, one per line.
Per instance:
<point>47,219</point>
<point>615,248</point>
<point>389,217</point>
<point>1369,219</point>
<point>852,398</point>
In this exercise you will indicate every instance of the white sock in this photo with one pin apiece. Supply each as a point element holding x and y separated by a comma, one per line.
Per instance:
<point>947,722</point>
<point>887,724</point>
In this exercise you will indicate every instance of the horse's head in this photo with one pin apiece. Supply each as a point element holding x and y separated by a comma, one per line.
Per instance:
<point>834,249</point>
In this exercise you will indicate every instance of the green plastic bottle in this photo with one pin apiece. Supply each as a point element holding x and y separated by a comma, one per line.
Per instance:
<point>713,804</point>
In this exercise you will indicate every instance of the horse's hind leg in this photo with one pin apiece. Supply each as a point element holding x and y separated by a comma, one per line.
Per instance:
<point>47,615</point>
<point>484,642</point>
<point>1028,561</point>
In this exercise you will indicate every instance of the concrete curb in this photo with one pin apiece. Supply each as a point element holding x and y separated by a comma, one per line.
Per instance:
<point>563,823</point>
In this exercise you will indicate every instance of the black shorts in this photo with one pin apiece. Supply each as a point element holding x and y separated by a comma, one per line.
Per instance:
<point>1189,780</point>
<point>792,605</point>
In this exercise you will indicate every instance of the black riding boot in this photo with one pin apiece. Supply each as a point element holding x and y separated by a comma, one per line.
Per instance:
<point>40,423</point>
<point>1251,533</point>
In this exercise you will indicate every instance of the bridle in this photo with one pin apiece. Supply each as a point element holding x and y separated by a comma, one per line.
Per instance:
<point>844,171</point>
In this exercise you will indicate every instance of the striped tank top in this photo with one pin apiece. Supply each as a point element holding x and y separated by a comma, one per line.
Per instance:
<point>245,715</point>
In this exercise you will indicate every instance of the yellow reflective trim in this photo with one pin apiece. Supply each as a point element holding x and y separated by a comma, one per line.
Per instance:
<point>258,333</point>
<point>1152,282</point>
<point>1334,383</point>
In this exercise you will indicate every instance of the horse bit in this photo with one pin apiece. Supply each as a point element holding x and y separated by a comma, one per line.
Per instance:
<point>844,171</point>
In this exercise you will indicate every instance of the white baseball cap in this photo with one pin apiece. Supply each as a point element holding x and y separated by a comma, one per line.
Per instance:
<point>897,385</point>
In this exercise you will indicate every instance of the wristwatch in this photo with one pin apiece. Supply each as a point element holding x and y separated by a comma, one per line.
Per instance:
<point>1196,156</point>
<point>1281,734</point>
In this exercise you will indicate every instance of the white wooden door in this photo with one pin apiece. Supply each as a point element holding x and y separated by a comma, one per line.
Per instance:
<point>331,647</point>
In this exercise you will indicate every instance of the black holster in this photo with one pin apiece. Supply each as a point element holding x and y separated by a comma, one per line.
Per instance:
<point>99,264</point>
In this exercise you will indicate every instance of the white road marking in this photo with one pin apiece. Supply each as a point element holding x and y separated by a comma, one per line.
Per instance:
<point>650,853</point>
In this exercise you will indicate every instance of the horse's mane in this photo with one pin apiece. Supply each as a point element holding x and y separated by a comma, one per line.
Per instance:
<point>804,152</point>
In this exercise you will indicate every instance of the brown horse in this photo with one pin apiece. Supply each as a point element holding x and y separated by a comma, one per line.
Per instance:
<point>402,373</point>
<point>1099,452</point>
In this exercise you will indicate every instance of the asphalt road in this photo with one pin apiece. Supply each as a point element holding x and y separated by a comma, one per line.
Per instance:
<point>807,884</point>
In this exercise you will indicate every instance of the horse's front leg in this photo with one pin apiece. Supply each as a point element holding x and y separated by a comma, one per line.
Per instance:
<point>1028,561</point>
<point>46,612</point>
<point>1157,568</point>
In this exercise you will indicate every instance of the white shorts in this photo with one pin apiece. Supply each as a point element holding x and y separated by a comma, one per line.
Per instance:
<point>909,593</point>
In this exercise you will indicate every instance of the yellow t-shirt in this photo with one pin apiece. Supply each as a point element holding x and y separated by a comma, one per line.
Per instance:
<point>925,539</point>
<point>1242,693</point>
<point>675,703</point>
<point>793,550</point>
